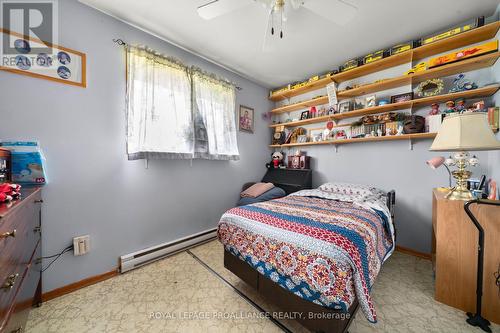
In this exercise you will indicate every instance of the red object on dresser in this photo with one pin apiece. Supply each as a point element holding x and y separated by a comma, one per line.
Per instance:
<point>20,248</point>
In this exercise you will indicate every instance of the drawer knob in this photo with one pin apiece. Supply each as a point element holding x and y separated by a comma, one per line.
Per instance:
<point>39,201</point>
<point>9,282</point>
<point>8,234</point>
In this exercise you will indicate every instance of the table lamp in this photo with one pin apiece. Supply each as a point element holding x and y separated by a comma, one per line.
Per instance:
<point>436,162</point>
<point>461,133</point>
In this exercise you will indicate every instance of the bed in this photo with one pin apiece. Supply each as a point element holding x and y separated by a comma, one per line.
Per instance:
<point>315,253</point>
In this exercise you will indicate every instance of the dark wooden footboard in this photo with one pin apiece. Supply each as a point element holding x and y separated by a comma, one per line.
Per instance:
<point>314,317</point>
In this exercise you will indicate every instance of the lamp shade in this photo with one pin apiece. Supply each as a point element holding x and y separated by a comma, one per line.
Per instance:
<point>436,162</point>
<point>465,132</point>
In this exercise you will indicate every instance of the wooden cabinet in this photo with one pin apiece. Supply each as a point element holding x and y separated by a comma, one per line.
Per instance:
<point>454,250</point>
<point>20,267</point>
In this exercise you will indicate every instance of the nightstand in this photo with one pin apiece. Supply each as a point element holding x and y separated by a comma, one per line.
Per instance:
<point>454,255</point>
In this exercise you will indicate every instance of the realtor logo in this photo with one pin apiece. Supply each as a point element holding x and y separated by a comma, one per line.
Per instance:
<point>32,18</point>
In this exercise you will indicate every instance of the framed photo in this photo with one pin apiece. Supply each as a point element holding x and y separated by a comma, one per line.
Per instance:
<point>359,103</point>
<point>60,64</point>
<point>246,119</point>
<point>402,97</point>
<point>304,115</point>
<point>371,101</point>
<point>345,106</point>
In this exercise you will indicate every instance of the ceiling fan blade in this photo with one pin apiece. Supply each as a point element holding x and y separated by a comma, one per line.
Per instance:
<point>216,8</point>
<point>339,12</point>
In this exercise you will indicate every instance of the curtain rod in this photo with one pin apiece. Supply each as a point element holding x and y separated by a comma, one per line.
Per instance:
<point>120,42</point>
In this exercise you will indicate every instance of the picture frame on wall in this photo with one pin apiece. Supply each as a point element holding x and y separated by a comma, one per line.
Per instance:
<point>62,64</point>
<point>246,119</point>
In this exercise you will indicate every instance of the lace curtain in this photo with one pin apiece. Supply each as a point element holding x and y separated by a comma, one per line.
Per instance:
<point>177,112</point>
<point>214,102</point>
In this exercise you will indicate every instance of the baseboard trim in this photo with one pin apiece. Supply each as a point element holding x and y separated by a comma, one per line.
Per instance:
<point>78,285</point>
<point>414,253</point>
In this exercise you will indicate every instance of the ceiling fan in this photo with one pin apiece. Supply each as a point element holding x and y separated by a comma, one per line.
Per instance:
<point>338,12</point>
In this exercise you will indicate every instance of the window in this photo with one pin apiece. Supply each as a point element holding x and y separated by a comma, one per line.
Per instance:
<point>177,112</point>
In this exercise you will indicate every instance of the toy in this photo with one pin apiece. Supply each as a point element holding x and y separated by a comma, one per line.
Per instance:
<point>383,102</point>
<point>454,31</point>
<point>450,107</point>
<point>372,57</point>
<point>9,192</point>
<point>460,105</point>
<point>434,109</point>
<point>350,65</point>
<point>417,68</point>
<point>371,101</point>
<point>493,190</point>
<point>404,47</point>
<point>461,84</point>
<point>470,52</point>
<point>276,161</point>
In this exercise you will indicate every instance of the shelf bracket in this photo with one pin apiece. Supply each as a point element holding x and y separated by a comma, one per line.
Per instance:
<point>410,142</point>
<point>336,147</point>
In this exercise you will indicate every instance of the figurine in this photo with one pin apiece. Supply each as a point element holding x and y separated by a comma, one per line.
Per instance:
<point>379,132</point>
<point>461,84</point>
<point>460,106</point>
<point>400,130</point>
<point>434,109</point>
<point>493,190</point>
<point>450,105</point>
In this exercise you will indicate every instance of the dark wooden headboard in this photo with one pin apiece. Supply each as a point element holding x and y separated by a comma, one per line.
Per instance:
<point>290,180</point>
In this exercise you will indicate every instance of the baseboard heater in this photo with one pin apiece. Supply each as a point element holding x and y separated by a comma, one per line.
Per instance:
<point>146,256</point>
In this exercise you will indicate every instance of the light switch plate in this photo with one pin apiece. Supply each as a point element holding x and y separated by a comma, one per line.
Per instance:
<point>81,245</point>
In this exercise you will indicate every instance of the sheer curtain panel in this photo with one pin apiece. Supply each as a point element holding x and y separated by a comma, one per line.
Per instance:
<point>158,106</point>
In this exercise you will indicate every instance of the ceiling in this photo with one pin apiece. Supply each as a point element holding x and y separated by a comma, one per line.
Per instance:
<point>311,44</point>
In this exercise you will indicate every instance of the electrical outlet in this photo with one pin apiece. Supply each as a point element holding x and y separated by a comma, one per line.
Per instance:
<point>81,245</point>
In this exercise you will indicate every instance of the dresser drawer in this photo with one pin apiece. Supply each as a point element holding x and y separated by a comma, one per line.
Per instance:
<point>16,252</point>
<point>25,222</point>
<point>25,296</point>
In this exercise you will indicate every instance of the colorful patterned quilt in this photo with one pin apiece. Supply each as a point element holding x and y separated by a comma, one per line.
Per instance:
<point>324,247</point>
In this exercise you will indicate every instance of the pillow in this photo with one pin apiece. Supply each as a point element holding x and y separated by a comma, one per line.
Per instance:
<point>351,189</point>
<point>273,193</point>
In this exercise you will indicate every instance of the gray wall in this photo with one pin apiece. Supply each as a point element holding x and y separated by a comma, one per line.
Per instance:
<point>93,188</point>
<point>494,156</point>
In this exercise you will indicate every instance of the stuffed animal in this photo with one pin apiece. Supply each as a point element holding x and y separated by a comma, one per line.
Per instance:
<point>277,161</point>
<point>9,192</point>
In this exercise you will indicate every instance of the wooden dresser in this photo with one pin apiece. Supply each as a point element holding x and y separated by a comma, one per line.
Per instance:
<point>454,249</point>
<point>20,266</point>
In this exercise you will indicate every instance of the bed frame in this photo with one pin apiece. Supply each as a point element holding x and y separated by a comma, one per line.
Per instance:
<point>314,317</point>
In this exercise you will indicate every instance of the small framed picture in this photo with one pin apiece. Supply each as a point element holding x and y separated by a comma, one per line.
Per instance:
<point>359,103</point>
<point>345,106</point>
<point>371,101</point>
<point>246,117</point>
<point>304,115</point>
<point>402,97</point>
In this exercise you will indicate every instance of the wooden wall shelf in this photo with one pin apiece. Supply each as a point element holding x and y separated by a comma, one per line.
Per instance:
<point>454,68</point>
<point>347,141</point>
<point>476,93</point>
<point>437,72</point>
<point>470,37</point>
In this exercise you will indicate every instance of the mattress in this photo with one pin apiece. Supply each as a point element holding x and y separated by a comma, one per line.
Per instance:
<point>324,247</point>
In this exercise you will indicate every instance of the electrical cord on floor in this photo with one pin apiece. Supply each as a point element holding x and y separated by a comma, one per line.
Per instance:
<point>57,256</point>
